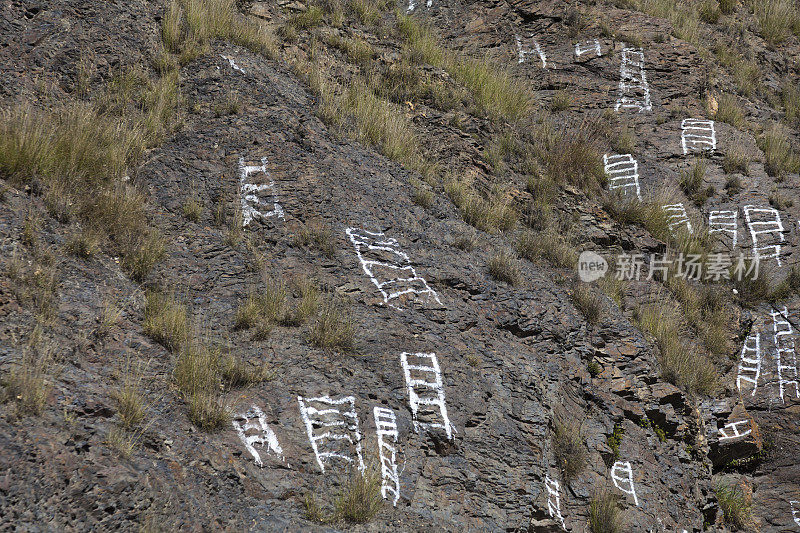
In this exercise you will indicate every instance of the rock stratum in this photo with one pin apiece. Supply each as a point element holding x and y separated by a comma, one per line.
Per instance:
<point>405,234</point>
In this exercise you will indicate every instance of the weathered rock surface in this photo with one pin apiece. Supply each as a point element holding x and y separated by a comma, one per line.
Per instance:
<point>513,359</point>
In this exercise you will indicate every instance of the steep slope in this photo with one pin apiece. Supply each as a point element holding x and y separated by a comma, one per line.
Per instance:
<point>356,195</point>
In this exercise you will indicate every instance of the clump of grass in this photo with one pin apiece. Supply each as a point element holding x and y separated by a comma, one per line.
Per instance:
<point>503,266</point>
<point>466,240</point>
<point>28,384</point>
<point>237,373</point>
<point>604,514</point>
<point>587,303</point>
<point>423,197</point>
<point>318,235</point>
<point>681,364</point>
<point>232,104</point>
<point>790,97</point>
<point>357,51</point>
<point>486,214</point>
<point>779,155</point>
<point>144,255</point>
<point>747,75</point>
<point>577,160</point>
<point>709,12</point>
<point>569,448</point>
<point>360,498</point>
<point>776,19</point>
<point>780,201</point>
<point>546,245</point>
<point>129,396</point>
<point>308,19</point>
<point>494,91</point>
<point>263,310</point>
<point>84,242</point>
<point>736,160</point>
<point>197,375</point>
<point>333,327</point>
<point>192,209</point>
<point>735,505</point>
<point>122,441</point>
<point>691,182</point>
<point>561,101</point>
<point>728,110</point>
<point>309,303</point>
<point>166,320</point>
<point>728,6</point>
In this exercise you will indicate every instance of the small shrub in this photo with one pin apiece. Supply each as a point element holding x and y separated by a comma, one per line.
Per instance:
<point>593,368</point>
<point>503,266</point>
<point>360,498</point>
<point>728,110</point>
<point>569,448</point>
<point>165,320</point>
<point>333,327</point>
<point>604,515</point>
<point>736,506</point>
<point>614,440</point>
<point>587,303</point>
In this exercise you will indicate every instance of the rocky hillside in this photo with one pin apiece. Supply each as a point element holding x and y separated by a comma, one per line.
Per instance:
<point>358,264</point>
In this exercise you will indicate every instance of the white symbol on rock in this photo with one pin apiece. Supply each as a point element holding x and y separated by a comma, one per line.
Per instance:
<point>750,362</point>
<point>622,476</point>
<point>733,426</point>
<point>257,196</point>
<point>389,267</point>
<point>634,92</point>
<point>233,64</point>
<point>588,46</point>
<point>522,52</point>
<point>334,423</point>
<point>698,135</point>
<point>677,216</point>
<point>554,500</point>
<point>785,355</point>
<point>623,173</point>
<point>412,5</point>
<point>386,427</point>
<point>425,391</point>
<point>765,225</point>
<point>795,512</point>
<point>724,222</point>
<point>253,429</point>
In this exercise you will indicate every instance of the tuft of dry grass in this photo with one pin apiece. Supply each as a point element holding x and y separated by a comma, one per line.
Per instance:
<point>360,499</point>
<point>569,448</point>
<point>736,506</point>
<point>547,245</point>
<point>780,157</point>
<point>197,375</point>
<point>729,111</point>
<point>166,320</point>
<point>504,266</point>
<point>29,383</point>
<point>333,327</point>
<point>130,406</point>
<point>776,19</point>
<point>587,303</point>
<point>736,160</point>
<point>143,256</point>
<point>604,514</point>
<point>84,242</point>
<point>318,235</point>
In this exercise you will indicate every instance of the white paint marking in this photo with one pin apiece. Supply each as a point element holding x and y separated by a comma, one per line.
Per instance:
<point>750,362</point>
<point>622,473</point>
<point>785,355</point>
<point>698,135</point>
<point>253,194</point>
<point>386,429</point>
<point>588,46</point>
<point>254,420</point>
<point>394,277</point>
<point>335,426</point>
<point>233,64</point>
<point>795,512</point>
<point>734,426</point>
<point>623,173</point>
<point>554,500</point>
<point>425,389</point>
<point>677,216</point>
<point>522,52</point>
<point>764,222</point>
<point>724,222</point>
<point>634,92</point>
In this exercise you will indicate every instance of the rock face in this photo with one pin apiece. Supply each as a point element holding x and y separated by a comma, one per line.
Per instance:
<point>470,375</point>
